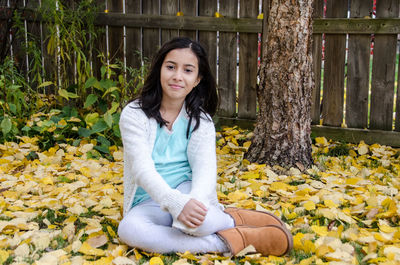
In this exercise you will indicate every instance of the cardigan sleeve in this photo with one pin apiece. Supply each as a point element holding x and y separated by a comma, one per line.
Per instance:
<point>202,160</point>
<point>133,124</point>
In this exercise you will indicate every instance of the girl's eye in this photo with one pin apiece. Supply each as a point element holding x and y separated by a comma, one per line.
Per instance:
<point>170,67</point>
<point>188,70</point>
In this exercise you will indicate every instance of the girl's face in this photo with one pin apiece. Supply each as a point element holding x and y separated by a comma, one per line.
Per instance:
<point>179,74</point>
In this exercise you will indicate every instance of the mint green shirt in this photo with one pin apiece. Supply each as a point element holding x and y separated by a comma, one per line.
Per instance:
<point>170,156</point>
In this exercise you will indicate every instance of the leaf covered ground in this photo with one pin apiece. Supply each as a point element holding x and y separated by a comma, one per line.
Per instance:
<point>63,207</point>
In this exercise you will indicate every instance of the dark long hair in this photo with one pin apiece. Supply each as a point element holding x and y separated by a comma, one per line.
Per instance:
<point>203,97</point>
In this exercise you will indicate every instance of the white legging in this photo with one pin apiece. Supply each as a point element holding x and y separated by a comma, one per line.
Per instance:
<point>149,228</point>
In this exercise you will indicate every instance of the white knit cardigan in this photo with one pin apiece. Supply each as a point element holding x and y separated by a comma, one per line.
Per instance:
<point>138,136</point>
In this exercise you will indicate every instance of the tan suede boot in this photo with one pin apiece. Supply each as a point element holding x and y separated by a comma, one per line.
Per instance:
<point>268,240</point>
<point>253,218</point>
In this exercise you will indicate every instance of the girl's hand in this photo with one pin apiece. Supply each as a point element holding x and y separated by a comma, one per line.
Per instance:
<point>193,213</point>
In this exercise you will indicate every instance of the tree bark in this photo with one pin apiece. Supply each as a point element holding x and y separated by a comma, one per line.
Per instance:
<point>282,133</point>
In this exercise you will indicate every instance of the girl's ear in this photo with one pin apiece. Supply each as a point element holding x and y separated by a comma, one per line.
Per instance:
<point>198,80</point>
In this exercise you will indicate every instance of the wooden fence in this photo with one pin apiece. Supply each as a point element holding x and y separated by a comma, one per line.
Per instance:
<point>354,96</point>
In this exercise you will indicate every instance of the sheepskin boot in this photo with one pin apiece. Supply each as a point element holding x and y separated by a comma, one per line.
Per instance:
<point>253,218</point>
<point>268,240</point>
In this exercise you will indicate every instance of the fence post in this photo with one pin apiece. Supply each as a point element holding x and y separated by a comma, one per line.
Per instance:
<point>169,7</point>
<point>383,71</point>
<point>358,69</point>
<point>188,8</point>
<point>100,46</point>
<point>248,46</point>
<point>318,6</point>
<point>334,67</point>
<point>227,62</point>
<point>151,40</point>
<point>208,39</point>
<point>133,37</point>
<point>115,34</point>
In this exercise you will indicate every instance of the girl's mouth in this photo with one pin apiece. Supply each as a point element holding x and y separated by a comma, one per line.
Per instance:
<point>176,86</point>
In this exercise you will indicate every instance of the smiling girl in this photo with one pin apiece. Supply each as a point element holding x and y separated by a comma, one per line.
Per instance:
<point>170,199</point>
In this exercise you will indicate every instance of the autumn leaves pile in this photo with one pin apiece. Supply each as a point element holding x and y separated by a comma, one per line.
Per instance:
<point>58,207</point>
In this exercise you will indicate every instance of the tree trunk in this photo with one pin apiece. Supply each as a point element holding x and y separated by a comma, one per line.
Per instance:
<point>282,133</point>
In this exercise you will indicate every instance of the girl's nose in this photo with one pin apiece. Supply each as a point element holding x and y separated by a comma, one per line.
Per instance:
<point>178,75</point>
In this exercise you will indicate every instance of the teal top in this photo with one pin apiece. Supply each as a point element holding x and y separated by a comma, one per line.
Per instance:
<point>170,156</point>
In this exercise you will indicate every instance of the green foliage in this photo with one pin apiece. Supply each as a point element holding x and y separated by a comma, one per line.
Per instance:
<point>339,150</point>
<point>74,104</point>
<point>71,39</point>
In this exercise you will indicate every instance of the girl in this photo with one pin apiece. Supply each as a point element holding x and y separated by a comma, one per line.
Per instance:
<point>170,200</point>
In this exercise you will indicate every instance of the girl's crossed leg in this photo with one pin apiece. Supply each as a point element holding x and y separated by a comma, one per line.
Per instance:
<point>148,227</point>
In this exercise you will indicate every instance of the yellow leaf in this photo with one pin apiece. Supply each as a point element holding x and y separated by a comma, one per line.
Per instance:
<point>250,175</point>
<point>62,122</point>
<point>352,181</point>
<point>323,250</point>
<point>352,153</point>
<point>179,14</point>
<point>307,261</point>
<point>74,119</point>
<point>320,230</point>
<point>111,231</point>
<point>118,156</point>
<point>88,250</point>
<point>275,186</point>
<point>3,256</point>
<point>387,229</point>
<point>291,215</point>
<point>97,241</point>
<point>260,16</point>
<point>237,196</point>
<point>363,148</point>
<point>245,162</point>
<point>308,246</point>
<point>377,260</point>
<point>47,180</point>
<point>156,261</point>
<point>123,261</point>
<point>380,237</point>
<point>104,261</point>
<point>297,241</point>
<point>247,144</point>
<point>188,255</point>
<point>321,141</point>
<point>309,205</point>
<point>330,204</point>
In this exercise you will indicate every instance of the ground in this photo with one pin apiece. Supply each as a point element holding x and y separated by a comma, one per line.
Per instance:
<point>62,206</point>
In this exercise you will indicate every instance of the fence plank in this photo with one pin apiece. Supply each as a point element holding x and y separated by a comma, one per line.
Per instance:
<point>133,37</point>
<point>397,115</point>
<point>208,39</point>
<point>188,8</point>
<point>151,38</point>
<point>248,47</point>
<point>49,60</point>
<point>227,62</point>
<point>100,48</point>
<point>68,66</point>
<point>317,61</point>
<point>334,66</point>
<point>18,40</point>
<point>169,7</point>
<point>35,64</point>
<point>383,71</point>
<point>358,70</point>
<point>115,34</point>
